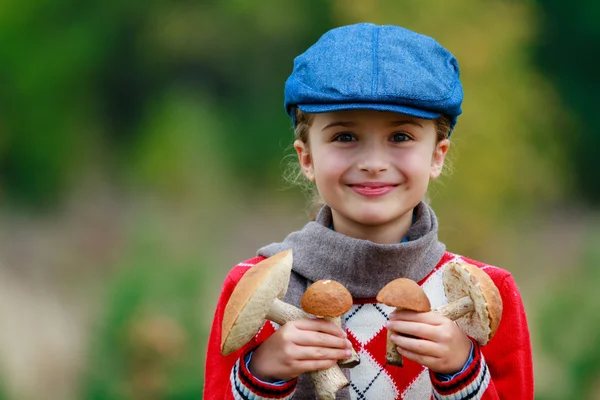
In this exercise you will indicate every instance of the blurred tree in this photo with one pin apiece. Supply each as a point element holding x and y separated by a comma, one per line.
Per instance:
<point>77,80</point>
<point>53,56</point>
<point>81,81</point>
<point>568,51</point>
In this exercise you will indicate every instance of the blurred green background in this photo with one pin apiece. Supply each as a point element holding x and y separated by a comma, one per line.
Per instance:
<point>142,146</point>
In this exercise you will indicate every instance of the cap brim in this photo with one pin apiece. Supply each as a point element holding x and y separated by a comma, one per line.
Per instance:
<point>413,112</point>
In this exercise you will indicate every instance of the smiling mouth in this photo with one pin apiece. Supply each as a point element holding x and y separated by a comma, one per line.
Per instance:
<point>373,190</point>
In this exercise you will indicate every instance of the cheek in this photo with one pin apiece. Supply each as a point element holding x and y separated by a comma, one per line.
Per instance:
<point>329,165</point>
<point>416,166</point>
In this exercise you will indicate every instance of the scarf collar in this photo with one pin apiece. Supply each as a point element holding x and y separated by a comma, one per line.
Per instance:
<point>362,266</point>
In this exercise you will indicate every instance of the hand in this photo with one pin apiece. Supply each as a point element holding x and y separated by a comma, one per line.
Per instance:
<point>437,342</point>
<point>298,347</point>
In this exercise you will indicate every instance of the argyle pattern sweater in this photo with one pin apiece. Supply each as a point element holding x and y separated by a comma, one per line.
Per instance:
<point>500,370</point>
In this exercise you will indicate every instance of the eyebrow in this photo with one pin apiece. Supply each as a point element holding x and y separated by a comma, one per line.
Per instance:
<point>347,124</point>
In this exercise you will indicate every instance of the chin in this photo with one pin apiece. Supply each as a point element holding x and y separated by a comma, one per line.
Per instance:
<point>374,218</point>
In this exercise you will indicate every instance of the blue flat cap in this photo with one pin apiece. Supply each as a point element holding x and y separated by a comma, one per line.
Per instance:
<point>383,68</point>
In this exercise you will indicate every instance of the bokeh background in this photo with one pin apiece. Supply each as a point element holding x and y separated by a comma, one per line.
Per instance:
<point>142,145</point>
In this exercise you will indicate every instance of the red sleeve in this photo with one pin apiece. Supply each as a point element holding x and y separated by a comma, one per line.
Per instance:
<point>502,369</point>
<point>508,354</point>
<point>217,369</point>
<point>224,375</point>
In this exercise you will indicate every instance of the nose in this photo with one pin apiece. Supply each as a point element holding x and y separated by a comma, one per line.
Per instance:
<point>373,159</point>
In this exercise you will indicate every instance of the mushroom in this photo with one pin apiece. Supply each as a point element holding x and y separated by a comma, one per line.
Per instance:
<point>474,301</point>
<point>329,300</point>
<point>257,297</point>
<point>404,294</point>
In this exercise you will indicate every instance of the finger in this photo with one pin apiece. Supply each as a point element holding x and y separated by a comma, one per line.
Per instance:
<point>431,318</point>
<point>417,346</point>
<point>320,339</point>
<point>321,325</point>
<point>416,329</point>
<point>418,358</point>
<point>321,353</point>
<point>314,365</point>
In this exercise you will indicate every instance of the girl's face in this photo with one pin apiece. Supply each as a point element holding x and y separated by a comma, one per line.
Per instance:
<point>372,168</point>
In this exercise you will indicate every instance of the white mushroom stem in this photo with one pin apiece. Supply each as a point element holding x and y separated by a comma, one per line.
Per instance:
<point>457,309</point>
<point>351,361</point>
<point>281,312</point>
<point>327,382</point>
<point>391,353</point>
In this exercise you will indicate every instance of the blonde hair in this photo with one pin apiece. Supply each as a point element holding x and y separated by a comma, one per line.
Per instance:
<point>293,173</point>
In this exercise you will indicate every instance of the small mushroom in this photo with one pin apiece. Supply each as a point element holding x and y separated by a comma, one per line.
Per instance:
<point>404,294</point>
<point>474,301</point>
<point>329,300</point>
<point>255,298</point>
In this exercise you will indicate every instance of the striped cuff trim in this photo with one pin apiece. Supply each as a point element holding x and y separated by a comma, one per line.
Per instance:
<point>246,387</point>
<point>470,384</point>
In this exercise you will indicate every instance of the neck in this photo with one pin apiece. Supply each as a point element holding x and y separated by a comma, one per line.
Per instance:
<point>362,266</point>
<point>389,233</point>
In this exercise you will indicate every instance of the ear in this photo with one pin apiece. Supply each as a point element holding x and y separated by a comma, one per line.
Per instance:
<point>305,159</point>
<point>439,155</point>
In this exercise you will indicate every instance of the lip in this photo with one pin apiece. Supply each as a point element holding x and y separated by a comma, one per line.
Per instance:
<point>372,189</point>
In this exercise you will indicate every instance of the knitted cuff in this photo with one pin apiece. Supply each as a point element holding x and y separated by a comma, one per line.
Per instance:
<point>447,377</point>
<point>247,387</point>
<point>469,384</point>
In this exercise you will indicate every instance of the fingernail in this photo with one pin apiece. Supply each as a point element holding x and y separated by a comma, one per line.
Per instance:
<point>348,353</point>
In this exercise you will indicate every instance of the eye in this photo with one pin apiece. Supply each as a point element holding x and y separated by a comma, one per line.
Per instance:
<point>400,137</point>
<point>344,137</point>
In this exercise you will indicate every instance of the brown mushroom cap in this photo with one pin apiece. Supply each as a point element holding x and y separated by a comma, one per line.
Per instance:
<point>326,298</point>
<point>406,294</point>
<point>251,299</point>
<point>462,279</point>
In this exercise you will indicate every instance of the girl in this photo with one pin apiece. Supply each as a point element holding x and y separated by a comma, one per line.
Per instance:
<point>373,108</point>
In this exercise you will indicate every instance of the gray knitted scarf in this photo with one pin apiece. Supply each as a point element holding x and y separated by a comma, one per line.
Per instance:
<point>362,266</point>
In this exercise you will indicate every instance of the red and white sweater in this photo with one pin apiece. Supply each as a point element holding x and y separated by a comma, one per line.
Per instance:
<point>500,370</point>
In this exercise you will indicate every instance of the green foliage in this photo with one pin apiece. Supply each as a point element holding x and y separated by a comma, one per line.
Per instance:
<point>52,55</point>
<point>79,79</point>
<point>569,324</point>
<point>567,51</point>
<point>150,344</point>
<point>117,76</point>
<point>180,152</point>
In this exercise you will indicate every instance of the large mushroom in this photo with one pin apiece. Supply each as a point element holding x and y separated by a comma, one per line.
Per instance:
<point>404,294</point>
<point>474,301</point>
<point>256,298</point>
